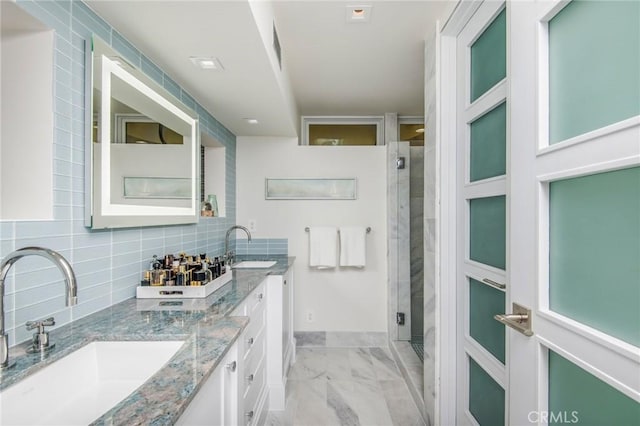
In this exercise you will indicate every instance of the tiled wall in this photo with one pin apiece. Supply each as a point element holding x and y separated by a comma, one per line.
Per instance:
<point>430,229</point>
<point>262,246</point>
<point>108,264</point>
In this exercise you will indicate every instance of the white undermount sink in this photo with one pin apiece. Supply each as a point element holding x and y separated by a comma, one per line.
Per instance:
<point>85,384</point>
<point>254,264</point>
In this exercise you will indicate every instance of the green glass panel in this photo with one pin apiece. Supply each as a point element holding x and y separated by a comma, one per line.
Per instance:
<point>488,231</point>
<point>594,66</point>
<point>489,144</point>
<point>489,57</point>
<point>578,397</point>
<point>594,251</point>
<point>484,303</point>
<point>486,397</point>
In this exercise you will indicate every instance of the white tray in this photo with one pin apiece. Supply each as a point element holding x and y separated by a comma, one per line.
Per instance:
<point>183,292</point>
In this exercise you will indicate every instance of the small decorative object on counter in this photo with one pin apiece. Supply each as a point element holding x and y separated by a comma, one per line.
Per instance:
<point>205,209</point>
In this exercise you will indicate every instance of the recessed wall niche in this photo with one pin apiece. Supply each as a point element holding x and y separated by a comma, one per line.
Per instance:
<point>214,175</point>
<point>26,141</point>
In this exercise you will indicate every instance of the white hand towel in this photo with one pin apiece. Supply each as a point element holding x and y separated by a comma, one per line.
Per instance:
<point>323,247</point>
<point>353,246</point>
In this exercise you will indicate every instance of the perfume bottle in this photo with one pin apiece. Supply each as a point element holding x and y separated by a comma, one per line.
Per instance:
<point>181,276</point>
<point>157,275</point>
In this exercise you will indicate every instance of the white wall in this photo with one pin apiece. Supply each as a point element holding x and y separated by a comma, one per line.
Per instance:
<point>27,126</point>
<point>340,300</point>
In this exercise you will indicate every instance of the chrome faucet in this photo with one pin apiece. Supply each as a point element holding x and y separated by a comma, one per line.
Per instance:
<point>7,263</point>
<point>229,253</point>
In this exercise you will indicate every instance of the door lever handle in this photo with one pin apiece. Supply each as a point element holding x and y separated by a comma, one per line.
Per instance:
<point>519,320</point>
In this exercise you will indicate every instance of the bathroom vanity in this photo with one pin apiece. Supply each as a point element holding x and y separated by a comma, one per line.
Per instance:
<point>230,368</point>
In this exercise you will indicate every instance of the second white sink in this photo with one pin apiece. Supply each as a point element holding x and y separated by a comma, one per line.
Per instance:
<point>85,384</point>
<point>255,264</point>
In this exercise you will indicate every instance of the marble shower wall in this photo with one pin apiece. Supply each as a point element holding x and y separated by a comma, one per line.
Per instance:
<point>398,228</point>
<point>430,224</point>
<point>416,201</point>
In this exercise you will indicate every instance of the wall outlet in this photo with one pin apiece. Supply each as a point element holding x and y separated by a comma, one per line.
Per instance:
<point>310,316</point>
<point>252,225</point>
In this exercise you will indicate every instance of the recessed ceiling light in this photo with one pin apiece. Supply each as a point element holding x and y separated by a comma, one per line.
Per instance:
<point>360,13</point>
<point>251,120</point>
<point>207,63</point>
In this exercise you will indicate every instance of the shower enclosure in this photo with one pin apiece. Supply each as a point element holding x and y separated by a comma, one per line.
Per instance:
<point>406,247</point>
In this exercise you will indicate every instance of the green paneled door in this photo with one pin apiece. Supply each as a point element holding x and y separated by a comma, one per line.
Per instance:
<point>485,302</point>
<point>487,240</point>
<point>486,397</point>
<point>486,222</point>
<point>489,144</point>
<point>489,57</point>
<point>576,396</point>
<point>594,248</point>
<point>594,66</point>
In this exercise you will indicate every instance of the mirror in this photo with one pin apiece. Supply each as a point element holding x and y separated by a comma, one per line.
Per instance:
<point>143,157</point>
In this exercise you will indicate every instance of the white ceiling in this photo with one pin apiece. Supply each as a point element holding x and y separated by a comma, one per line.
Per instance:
<point>334,68</point>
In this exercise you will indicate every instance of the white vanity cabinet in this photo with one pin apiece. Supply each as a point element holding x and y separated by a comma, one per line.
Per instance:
<point>216,403</point>
<point>253,389</point>
<point>281,344</point>
<point>263,354</point>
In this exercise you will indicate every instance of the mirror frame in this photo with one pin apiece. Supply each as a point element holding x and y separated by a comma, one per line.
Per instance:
<point>100,212</point>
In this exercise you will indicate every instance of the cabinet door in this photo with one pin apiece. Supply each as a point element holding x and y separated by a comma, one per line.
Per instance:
<point>231,387</point>
<point>287,318</point>
<point>215,403</point>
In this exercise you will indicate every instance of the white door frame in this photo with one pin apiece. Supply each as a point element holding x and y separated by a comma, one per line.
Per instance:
<point>446,213</point>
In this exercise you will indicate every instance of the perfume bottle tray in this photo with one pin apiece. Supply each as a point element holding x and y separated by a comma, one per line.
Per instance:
<point>183,292</point>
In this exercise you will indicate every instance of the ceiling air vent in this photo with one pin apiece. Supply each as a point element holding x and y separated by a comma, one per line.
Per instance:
<point>276,46</point>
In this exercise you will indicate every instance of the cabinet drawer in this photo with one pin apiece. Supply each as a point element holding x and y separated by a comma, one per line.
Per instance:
<point>253,392</point>
<point>255,331</point>
<point>248,305</point>
<point>256,300</point>
<point>255,353</point>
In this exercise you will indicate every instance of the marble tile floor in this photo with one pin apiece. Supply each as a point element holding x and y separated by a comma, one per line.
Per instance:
<point>412,367</point>
<point>346,386</point>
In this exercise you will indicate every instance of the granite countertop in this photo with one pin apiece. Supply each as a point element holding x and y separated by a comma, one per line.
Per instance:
<point>207,334</point>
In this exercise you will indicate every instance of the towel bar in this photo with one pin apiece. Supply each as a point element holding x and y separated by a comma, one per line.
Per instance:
<point>368,229</point>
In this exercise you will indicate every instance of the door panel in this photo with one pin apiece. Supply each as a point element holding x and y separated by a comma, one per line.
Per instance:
<point>489,144</point>
<point>594,251</point>
<point>486,397</point>
<point>594,87</point>
<point>489,57</point>
<point>482,327</point>
<point>575,396</point>
<point>575,206</point>
<point>488,231</point>
<point>482,198</point>
<point>559,226</point>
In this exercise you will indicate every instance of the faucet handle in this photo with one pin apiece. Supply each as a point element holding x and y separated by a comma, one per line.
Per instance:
<point>40,325</point>
<point>40,342</point>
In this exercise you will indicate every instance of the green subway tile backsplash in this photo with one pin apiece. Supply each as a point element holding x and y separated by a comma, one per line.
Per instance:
<point>262,246</point>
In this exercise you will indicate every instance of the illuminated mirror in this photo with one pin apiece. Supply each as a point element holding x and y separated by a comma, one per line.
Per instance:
<point>144,150</point>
